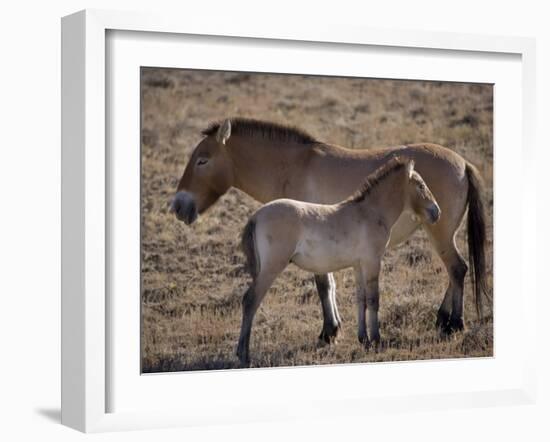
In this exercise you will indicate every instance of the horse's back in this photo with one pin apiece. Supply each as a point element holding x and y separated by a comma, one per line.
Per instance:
<point>334,172</point>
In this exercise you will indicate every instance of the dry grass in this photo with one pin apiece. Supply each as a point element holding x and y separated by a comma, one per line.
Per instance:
<point>193,277</point>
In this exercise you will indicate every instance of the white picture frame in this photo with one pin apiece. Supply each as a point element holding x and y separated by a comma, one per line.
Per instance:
<point>85,308</point>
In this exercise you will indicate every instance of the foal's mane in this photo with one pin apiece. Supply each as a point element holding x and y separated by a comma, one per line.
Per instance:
<point>249,127</point>
<point>375,178</point>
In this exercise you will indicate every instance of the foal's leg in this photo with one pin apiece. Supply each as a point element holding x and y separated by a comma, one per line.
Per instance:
<point>273,261</point>
<point>373,297</point>
<point>367,275</point>
<point>251,301</point>
<point>331,319</point>
<point>361,294</point>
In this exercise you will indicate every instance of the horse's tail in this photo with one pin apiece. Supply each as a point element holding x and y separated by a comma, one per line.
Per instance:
<point>248,243</point>
<point>476,236</point>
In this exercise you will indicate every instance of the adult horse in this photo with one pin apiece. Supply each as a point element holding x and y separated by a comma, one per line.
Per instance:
<point>269,161</point>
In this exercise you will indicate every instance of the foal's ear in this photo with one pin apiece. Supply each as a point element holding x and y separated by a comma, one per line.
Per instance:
<point>224,132</point>
<point>410,168</point>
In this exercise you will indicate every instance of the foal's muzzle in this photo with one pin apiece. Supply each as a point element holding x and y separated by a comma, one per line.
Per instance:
<point>434,212</point>
<point>184,207</point>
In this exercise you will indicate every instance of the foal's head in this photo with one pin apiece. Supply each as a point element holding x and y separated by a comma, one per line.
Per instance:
<point>419,198</point>
<point>207,176</point>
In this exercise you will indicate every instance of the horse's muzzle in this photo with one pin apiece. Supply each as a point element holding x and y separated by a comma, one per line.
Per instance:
<point>434,212</point>
<point>184,207</point>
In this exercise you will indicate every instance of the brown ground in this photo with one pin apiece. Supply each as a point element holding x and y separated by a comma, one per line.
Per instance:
<point>193,277</point>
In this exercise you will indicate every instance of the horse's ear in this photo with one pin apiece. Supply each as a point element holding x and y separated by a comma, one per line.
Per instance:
<point>410,168</point>
<point>224,132</point>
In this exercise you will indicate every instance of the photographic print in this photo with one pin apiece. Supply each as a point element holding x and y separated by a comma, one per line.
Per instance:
<point>294,220</point>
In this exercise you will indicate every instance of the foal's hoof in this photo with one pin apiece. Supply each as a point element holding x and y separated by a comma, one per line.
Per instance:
<point>244,359</point>
<point>374,343</point>
<point>244,362</point>
<point>364,341</point>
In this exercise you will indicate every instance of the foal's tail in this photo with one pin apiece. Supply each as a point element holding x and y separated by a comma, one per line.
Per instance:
<point>476,236</point>
<point>248,243</point>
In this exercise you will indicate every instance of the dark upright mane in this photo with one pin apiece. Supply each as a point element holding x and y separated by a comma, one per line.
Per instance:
<point>255,128</point>
<point>394,165</point>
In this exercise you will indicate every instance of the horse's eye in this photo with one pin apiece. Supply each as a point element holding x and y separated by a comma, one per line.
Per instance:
<point>202,161</point>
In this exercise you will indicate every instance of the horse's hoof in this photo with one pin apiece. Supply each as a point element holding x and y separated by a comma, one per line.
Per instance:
<point>322,343</point>
<point>329,336</point>
<point>451,328</point>
<point>456,325</point>
<point>324,338</point>
<point>445,330</point>
<point>442,322</point>
<point>447,324</point>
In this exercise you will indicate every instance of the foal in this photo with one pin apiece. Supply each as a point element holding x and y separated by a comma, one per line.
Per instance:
<point>325,238</point>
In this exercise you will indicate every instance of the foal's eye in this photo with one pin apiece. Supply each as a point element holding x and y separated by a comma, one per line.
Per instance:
<point>202,161</point>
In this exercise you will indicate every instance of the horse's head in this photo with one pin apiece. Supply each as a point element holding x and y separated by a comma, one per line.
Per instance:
<point>207,176</point>
<point>420,198</point>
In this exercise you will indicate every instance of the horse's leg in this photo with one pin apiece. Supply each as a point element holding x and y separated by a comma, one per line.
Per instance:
<point>450,316</point>
<point>456,268</point>
<point>327,293</point>
<point>333,296</point>
<point>453,200</point>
